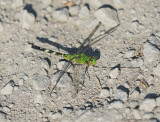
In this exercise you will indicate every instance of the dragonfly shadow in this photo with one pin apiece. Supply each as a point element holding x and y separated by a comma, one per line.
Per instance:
<point>89,51</point>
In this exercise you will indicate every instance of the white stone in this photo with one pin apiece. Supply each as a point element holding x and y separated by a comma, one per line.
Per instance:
<point>158,101</point>
<point>107,16</point>
<point>121,95</point>
<point>16,88</point>
<point>135,94</point>
<point>150,52</point>
<point>20,82</point>
<point>117,104</point>
<point>133,103</point>
<point>60,64</point>
<point>1,27</point>
<point>137,114</point>
<point>99,3</point>
<point>114,73</point>
<point>61,15</point>
<point>74,10</point>
<point>55,115</point>
<point>84,12</point>
<point>148,115</point>
<point>119,3</point>
<point>104,93</point>
<point>127,110</point>
<point>8,88</point>
<point>149,80</point>
<point>130,53</point>
<point>27,19</point>
<point>2,117</point>
<point>6,109</point>
<point>156,70</point>
<point>17,3</point>
<point>40,82</point>
<point>46,3</point>
<point>38,98</point>
<point>148,105</point>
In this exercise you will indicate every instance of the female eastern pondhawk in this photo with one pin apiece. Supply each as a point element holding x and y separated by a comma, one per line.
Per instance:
<point>78,58</point>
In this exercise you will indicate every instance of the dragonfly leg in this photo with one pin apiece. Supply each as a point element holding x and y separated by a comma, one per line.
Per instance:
<point>86,71</point>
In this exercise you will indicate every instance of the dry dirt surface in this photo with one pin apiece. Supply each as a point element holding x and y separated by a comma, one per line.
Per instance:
<point>124,85</point>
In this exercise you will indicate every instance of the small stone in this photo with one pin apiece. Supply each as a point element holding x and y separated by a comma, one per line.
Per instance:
<point>107,16</point>
<point>121,95</point>
<point>117,104</point>
<point>148,105</point>
<point>6,109</point>
<point>119,3</point>
<point>61,64</point>
<point>114,73</point>
<point>74,10</point>
<point>46,3</point>
<point>16,87</point>
<point>40,82</point>
<point>127,110</point>
<point>158,101</point>
<point>61,15</point>
<point>38,98</point>
<point>133,103</point>
<point>45,119</point>
<point>8,88</point>
<point>98,3</point>
<point>3,117</point>
<point>11,105</point>
<point>104,93</point>
<point>65,81</point>
<point>20,82</point>
<point>28,19</point>
<point>153,120</point>
<point>150,78</point>
<point>148,115</point>
<point>84,12</point>
<point>17,3</point>
<point>137,62</point>
<point>135,94</point>
<point>137,114</point>
<point>150,52</point>
<point>156,70</point>
<point>1,27</point>
<point>130,53</point>
<point>55,115</point>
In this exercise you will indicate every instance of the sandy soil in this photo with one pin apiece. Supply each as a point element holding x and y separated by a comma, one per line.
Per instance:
<point>26,74</point>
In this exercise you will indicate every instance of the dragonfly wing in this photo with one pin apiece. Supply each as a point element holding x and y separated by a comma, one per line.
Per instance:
<point>78,78</point>
<point>64,70</point>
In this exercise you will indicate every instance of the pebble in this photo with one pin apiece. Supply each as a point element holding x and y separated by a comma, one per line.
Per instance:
<point>84,12</point>
<point>130,53</point>
<point>38,98</point>
<point>153,120</point>
<point>8,88</point>
<point>1,27</point>
<point>137,114</point>
<point>148,105</point>
<point>55,115</point>
<point>65,81</point>
<point>97,3</point>
<point>16,87</point>
<point>17,3</point>
<point>158,101</point>
<point>154,39</point>
<point>20,82</point>
<point>150,52</point>
<point>127,110</point>
<point>6,109</point>
<point>135,94</point>
<point>40,82</point>
<point>133,103</point>
<point>28,19</point>
<point>148,115</point>
<point>114,73</point>
<point>150,79</point>
<point>61,15</point>
<point>107,16</point>
<point>156,70</point>
<point>117,104</point>
<point>46,3</point>
<point>60,65</point>
<point>74,10</point>
<point>119,3</point>
<point>121,95</point>
<point>104,93</point>
<point>3,117</point>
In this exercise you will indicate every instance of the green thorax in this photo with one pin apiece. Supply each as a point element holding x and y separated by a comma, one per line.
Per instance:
<point>80,58</point>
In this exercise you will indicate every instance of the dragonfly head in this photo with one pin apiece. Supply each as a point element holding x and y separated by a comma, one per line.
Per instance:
<point>92,60</point>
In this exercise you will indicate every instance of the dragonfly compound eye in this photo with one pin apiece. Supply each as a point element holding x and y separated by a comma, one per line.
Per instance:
<point>92,61</point>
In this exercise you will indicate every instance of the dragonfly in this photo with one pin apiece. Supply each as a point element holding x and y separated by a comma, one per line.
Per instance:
<point>79,57</point>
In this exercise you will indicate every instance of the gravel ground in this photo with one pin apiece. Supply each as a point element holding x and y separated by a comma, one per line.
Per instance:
<point>127,69</point>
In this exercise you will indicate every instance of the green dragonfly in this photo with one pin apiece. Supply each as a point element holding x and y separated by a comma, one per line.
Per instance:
<point>77,58</point>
